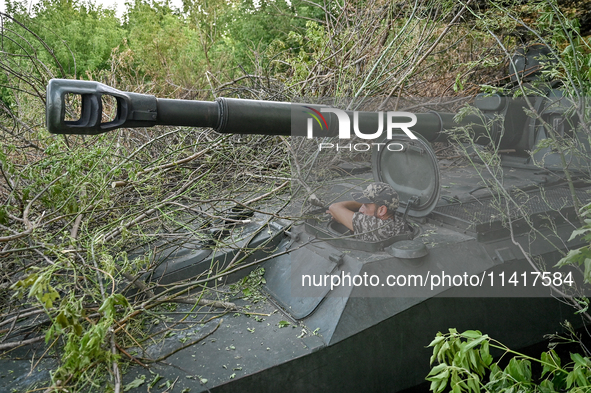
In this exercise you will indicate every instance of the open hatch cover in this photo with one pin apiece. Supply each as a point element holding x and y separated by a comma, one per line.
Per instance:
<point>411,168</point>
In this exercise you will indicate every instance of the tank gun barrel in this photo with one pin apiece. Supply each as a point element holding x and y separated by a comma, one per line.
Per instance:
<point>143,110</point>
<point>225,115</point>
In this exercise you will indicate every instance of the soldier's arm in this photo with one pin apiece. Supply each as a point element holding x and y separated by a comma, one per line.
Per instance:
<point>343,212</point>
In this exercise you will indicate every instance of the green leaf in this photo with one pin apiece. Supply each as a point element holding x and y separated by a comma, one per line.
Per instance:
<point>547,386</point>
<point>485,354</point>
<point>474,363</point>
<point>283,324</point>
<point>3,215</point>
<point>442,375</point>
<point>474,343</point>
<point>108,306</point>
<point>549,363</point>
<point>520,370</point>
<point>135,383</point>
<point>555,357</point>
<point>457,86</point>
<point>27,282</point>
<point>472,334</point>
<point>439,381</point>
<point>579,360</point>
<point>570,378</point>
<point>581,379</point>
<point>437,369</point>
<point>587,274</point>
<point>48,297</point>
<point>455,379</point>
<point>576,256</point>
<point>437,344</point>
<point>434,387</point>
<point>49,334</point>
<point>120,300</point>
<point>435,354</point>
<point>473,383</point>
<point>437,340</point>
<point>495,369</point>
<point>578,232</point>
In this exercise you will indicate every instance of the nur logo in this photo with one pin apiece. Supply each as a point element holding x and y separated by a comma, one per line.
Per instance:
<point>316,115</point>
<point>344,122</point>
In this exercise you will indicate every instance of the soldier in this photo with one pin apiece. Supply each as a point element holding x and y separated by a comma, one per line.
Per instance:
<point>372,213</point>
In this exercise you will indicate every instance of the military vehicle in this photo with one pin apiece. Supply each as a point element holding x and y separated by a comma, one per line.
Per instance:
<point>459,265</point>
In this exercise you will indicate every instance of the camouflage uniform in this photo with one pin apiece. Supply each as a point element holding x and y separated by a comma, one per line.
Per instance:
<point>373,229</point>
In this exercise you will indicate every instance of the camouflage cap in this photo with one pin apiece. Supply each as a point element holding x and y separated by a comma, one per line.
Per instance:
<point>378,193</point>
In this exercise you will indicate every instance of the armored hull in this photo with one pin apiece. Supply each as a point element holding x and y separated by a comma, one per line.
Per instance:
<point>372,337</point>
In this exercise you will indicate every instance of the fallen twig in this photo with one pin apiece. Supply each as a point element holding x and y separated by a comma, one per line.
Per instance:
<point>206,302</point>
<point>184,160</point>
<point>15,344</point>
<point>23,315</point>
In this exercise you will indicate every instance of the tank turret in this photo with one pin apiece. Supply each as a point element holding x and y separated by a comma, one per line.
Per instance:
<point>502,120</point>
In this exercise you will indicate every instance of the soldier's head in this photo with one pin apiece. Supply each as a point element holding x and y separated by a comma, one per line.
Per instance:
<point>378,200</point>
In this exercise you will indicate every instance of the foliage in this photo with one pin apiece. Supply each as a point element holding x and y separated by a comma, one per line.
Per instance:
<point>73,208</point>
<point>581,256</point>
<point>464,361</point>
<point>80,35</point>
<point>465,364</point>
<point>250,285</point>
<point>167,48</point>
<point>80,226</point>
<point>227,28</point>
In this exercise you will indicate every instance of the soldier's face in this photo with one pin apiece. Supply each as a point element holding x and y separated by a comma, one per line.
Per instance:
<point>369,209</point>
